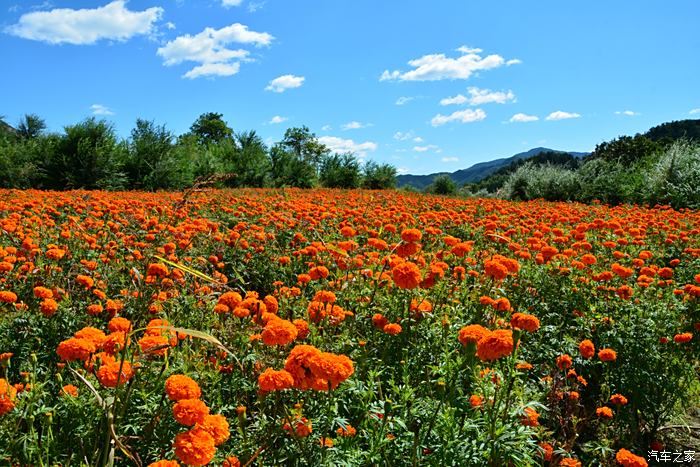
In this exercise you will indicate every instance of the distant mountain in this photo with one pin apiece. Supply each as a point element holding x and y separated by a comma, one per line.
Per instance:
<point>6,128</point>
<point>476,172</point>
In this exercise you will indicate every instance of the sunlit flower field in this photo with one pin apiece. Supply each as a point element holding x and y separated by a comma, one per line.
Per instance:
<point>319,327</point>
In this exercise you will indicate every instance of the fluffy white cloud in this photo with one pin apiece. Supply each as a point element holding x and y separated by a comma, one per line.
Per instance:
<point>354,125</point>
<point>99,109</point>
<point>480,96</point>
<point>278,119</point>
<point>403,100</point>
<point>401,136</point>
<point>213,69</point>
<point>210,49</point>
<point>341,145</point>
<point>464,116</point>
<point>450,159</point>
<point>86,26</point>
<point>435,67</point>
<point>628,113</point>
<point>561,115</point>
<point>284,82</point>
<point>513,61</point>
<point>694,111</point>
<point>417,139</point>
<point>326,128</point>
<point>402,170</point>
<point>230,3</point>
<point>523,118</point>
<point>429,147</point>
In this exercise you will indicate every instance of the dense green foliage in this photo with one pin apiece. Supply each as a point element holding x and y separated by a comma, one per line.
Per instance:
<point>90,155</point>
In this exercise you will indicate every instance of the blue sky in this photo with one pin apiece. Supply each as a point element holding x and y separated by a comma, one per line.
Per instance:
<point>425,86</point>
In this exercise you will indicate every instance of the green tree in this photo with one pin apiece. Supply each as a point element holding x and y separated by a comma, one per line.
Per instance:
<point>295,161</point>
<point>31,126</point>
<point>340,171</point>
<point>626,149</point>
<point>250,163</point>
<point>210,128</point>
<point>443,185</point>
<point>378,176</point>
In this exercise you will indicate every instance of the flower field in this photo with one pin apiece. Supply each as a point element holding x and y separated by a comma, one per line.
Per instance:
<point>320,327</point>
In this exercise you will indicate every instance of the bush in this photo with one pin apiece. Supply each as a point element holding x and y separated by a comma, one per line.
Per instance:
<point>548,182</point>
<point>442,185</point>
<point>675,179</point>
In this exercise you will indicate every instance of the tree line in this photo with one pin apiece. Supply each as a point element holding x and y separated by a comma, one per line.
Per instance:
<point>90,155</point>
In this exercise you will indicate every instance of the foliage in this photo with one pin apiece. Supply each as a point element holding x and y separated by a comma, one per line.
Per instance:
<point>442,185</point>
<point>340,171</point>
<point>378,176</point>
<point>675,179</point>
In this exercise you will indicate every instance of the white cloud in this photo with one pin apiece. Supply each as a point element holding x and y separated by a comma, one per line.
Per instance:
<point>326,128</point>
<point>284,82</point>
<point>170,25</point>
<point>513,61</point>
<point>450,159</point>
<point>402,171</point>
<point>403,100</point>
<point>417,139</point>
<point>255,6</point>
<point>468,50</point>
<point>209,49</point>
<point>523,118</point>
<point>429,147</point>
<point>86,26</point>
<point>561,115</point>
<point>230,3</point>
<point>213,69</point>
<point>278,119</point>
<point>464,116</point>
<point>341,145</point>
<point>99,109</point>
<point>435,67</point>
<point>354,125</point>
<point>401,136</point>
<point>480,96</point>
<point>694,111</point>
<point>628,113</point>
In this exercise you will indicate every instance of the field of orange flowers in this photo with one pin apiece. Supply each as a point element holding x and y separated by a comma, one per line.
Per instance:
<point>289,327</point>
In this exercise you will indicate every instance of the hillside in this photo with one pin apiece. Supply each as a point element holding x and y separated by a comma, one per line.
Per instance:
<point>671,131</point>
<point>476,172</point>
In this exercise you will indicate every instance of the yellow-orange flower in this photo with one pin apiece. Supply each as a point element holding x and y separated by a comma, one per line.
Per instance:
<point>190,411</point>
<point>495,345</point>
<point>178,387</point>
<point>195,447</point>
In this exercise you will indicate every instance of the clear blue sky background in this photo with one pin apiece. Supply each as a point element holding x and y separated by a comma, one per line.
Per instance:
<point>612,67</point>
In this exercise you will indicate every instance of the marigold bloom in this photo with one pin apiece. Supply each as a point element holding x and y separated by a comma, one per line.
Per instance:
<point>231,461</point>
<point>274,380</point>
<point>495,269</point>
<point>8,393</point>
<point>683,338</point>
<point>178,387</point>
<point>157,269</point>
<point>300,427</point>
<point>85,281</point>
<point>279,331</point>
<point>569,462</point>
<point>109,375</point>
<point>297,365</point>
<point>331,367</point>
<point>564,361</point>
<point>190,411</point>
<point>525,322</point>
<point>406,275</point>
<point>392,329</point>
<point>476,401</point>
<point>48,307</point>
<point>154,344</point>
<point>604,412</point>
<point>43,292</point>
<point>531,417</point>
<point>379,321</point>
<point>495,345</point>
<point>627,459</point>
<point>7,297</point>
<point>547,451</point>
<point>347,432</point>
<point>472,334</point>
<point>586,348</point>
<point>411,235</point>
<point>607,355</point>
<point>119,324</point>
<point>195,447</point>
<point>618,399</point>
<point>164,463</point>
<point>76,349</point>
<point>217,427</point>
<point>69,390</point>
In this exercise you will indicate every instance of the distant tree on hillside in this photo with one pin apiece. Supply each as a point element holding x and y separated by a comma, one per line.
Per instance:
<point>671,131</point>
<point>378,176</point>
<point>340,171</point>
<point>626,149</point>
<point>210,128</point>
<point>31,126</point>
<point>442,185</point>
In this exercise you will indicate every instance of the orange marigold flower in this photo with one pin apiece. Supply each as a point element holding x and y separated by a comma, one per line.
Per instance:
<point>618,399</point>
<point>8,393</point>
<point>115,342</point>
<point>569,462</point>
<point>231,461</point>
<point>217,427</point>
<point>157,269</point>
<point>302,328</point>
<point>85,281</point>
<point>683,338</point>
<point>271,303</point>
<point>586,348</point>
<point>604,412</point>
<point>76,349</point>
<point>627,459</point>
<point>301,427</point>
<point>7,297</point>
<point>476,401</point>
<point>607,355</point>
<point>179,387</point>
<point>502,304</point>
<point>69,390</point>
<point>154,344</point>
<point>411,235</point>
<point>279,331</point>
<point>43,292</point>
<point>495,345</point>
<point>297,365</point>
<point>48,307</point>
<point>195,447</point>
<point>472,334</point>
<point>530,418</point>
<point>406,275</point>
<point>392,329</point>
<point>190,411</point>
<point>495,269</point>
<point>109,375</point>
<point>524,366</point>
<point>273,380</point>
<point>94,335</point>
<point>547,451</point>
<point>525,322</point>
<point>346,432</point>
<point>564,361</point>
<point>164,463</point>
<point>119,324</point>
<point>379,321</point>
<point>331,367</point>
